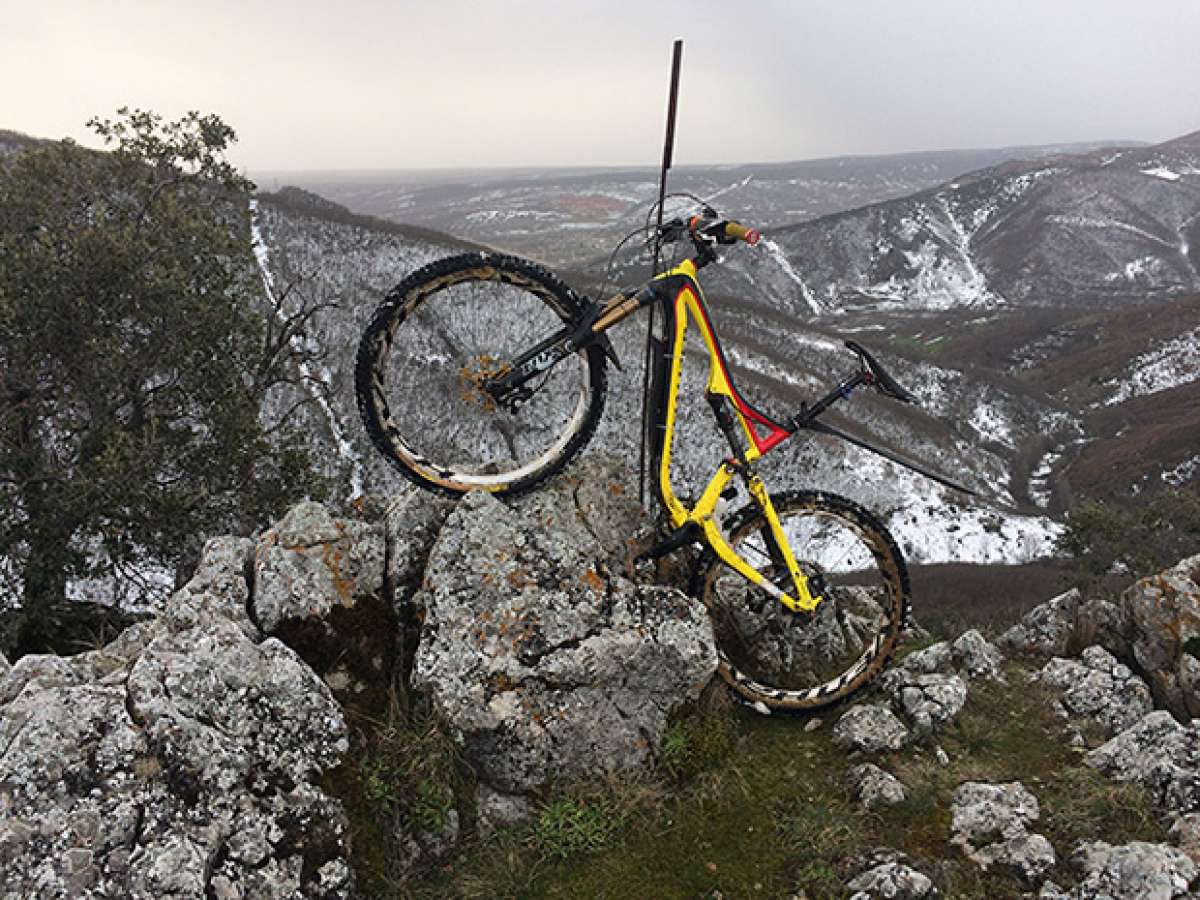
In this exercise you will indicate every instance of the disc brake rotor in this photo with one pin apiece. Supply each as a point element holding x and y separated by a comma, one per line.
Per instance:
<point>475,374</point>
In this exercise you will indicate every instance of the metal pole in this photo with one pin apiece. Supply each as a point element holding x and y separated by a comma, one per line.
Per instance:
<point>669,145</point>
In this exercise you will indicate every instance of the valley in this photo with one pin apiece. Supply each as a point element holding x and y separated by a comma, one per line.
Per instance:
<point>1035,390</point>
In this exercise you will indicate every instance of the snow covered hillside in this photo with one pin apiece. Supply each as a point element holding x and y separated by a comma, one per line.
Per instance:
<point>966,429</point>
<point>1097,229</point>
<point>569,217</point>
<point>315,254</point>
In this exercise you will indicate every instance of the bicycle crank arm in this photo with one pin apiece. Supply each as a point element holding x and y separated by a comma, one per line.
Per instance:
<point>685,534</point>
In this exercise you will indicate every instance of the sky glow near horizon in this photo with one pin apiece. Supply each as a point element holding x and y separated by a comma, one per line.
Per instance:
<point>367,84</point>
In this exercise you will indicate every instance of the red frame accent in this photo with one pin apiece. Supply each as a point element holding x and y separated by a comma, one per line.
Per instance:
<point>777,433</point>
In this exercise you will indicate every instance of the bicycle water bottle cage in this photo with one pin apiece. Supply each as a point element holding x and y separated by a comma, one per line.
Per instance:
<point>877,377</point>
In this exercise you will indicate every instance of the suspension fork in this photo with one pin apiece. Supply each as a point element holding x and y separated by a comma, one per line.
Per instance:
<point>588,329</point>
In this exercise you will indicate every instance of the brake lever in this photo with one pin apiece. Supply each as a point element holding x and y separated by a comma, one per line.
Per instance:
<point>672,231</point>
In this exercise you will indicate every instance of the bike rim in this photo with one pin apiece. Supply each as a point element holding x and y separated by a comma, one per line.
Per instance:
<point>445,341</point>
<point>776,658</point>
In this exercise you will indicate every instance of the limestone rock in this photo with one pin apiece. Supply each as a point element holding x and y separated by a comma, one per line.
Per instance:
<point>605,493</point>
<point>975,658</point>
<point>1185,834</point>
<point>544,663</point>
<point>1098,689</point>
<point>1164,625</point>
<point>991,823</point>
<point>319,587</point>
<point>411,525</point>
<point>496,810</point>
<point>1155,626</point>
<point>872,787</point>
<point>39,670</point>
<point>1161,755</point>
<point>871,728</point>
<point>218,590</point>
<point>178,761</point>
<point>311,563</point>
<point>927,701</point>
<point>970,656</point>
<point>890,876</point>
<point>214,704</point>
<point>1134,871</point>
<point>1046,629</point>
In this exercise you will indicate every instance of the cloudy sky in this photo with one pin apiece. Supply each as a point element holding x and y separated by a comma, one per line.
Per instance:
<point>392,84</point>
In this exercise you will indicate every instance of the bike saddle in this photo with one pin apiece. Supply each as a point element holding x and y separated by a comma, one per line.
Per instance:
<point>880,378</point>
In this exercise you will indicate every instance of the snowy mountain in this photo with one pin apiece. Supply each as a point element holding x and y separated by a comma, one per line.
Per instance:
<point>971,429</point>
<point>568,217</point>
<point>1108,227</point>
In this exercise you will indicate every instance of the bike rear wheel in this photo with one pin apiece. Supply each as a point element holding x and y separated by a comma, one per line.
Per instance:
<point>432,344</point>
<point>778,661</point>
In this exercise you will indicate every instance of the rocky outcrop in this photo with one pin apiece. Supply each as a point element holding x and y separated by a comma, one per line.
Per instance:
<point>1164,635</point>
<point>543,661</point>
<point>928,702</point>
<point>179,761</point>
<point>1161,755</point>
<point>991,823</point>
<point>1047,629</point>
<point>412,523</point>
<point>1134,871</point>
<point>310,564</point>
<point>1098,689</point>
<point>1154,626</point>
<point>319,587</point>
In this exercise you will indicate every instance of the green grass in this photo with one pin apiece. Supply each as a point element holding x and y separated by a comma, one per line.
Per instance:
<point>567,826</point>
<point>745,806</point>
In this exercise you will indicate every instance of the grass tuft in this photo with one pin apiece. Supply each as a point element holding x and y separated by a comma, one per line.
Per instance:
<point>569,826</point>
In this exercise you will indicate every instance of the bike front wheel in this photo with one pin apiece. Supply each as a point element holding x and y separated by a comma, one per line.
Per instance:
<point>778,661</point>
<point>433,343</point>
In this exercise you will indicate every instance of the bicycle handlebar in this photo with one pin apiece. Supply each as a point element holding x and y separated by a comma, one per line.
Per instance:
<point>741,233</point>
<point>725,232</point>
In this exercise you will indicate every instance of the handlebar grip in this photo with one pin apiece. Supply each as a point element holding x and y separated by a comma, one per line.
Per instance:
<point>742,233</point>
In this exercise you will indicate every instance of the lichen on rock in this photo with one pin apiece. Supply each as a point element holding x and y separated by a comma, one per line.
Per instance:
<point>543,661</point>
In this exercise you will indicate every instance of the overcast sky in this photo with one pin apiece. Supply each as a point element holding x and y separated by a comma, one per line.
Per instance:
<point>351,84</point>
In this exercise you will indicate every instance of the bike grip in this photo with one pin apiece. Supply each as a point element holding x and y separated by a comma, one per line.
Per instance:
<point>742,233</point>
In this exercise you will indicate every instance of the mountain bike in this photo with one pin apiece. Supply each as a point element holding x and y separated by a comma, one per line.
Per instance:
<point>486,371</point>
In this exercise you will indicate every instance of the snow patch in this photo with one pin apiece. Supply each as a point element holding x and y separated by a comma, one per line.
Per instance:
<point>931,531</point>
<point>1040,488</point>
<point>311,380</point>
<point>1182,473</point>
<point>782,261</point>
<point>931,528</point>
<point>991,424</point>
<point>1175,363</point>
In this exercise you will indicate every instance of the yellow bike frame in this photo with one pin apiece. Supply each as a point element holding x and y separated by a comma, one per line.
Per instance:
<point>688,304</point>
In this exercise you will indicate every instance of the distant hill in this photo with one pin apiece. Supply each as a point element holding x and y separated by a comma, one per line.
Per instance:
<point>1106,227</point>
<point>297,200</point>
<point>567,217</point>
<point>14,142</point>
